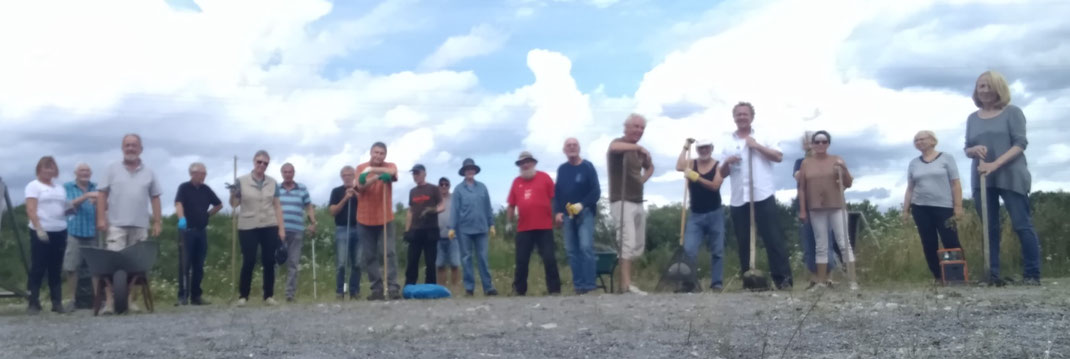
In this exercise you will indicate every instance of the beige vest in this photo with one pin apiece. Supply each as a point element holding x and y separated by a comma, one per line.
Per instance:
<point>257,205</point>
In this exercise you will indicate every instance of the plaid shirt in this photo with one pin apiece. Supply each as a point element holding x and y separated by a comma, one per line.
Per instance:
<point>84,221</point>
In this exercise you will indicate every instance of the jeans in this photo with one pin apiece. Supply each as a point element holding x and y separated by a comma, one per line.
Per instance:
<point>579,245</point>
<point>706,228</point>
<point>475,245</point>
<point>371,248</point>
<point>47,258</point>
<point>195,246</point>
<point>449,253</point>
<point>267,238</point>
<point>294,241</point>
<point>935,224</point>
<point>806,237</point>
<point>346,256</point>
<point>526,241</point>
<point>1018,208</point>
<point>423,241</point>
<point>769,231</point>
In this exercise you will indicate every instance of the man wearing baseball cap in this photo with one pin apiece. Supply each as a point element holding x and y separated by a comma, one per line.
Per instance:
<point>421,226</point>
<point>705,220</point>
<point>531,195</point>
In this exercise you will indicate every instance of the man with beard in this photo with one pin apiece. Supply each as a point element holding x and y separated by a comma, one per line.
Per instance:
<point>531,196</point>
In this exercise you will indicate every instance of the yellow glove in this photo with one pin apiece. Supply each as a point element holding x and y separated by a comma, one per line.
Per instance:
<point>492,232</point>
<point>691,175</point>
<point>573,209</point>
<point>452,234</point>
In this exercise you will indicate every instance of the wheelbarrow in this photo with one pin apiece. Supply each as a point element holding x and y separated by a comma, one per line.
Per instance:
<point>120,270</point>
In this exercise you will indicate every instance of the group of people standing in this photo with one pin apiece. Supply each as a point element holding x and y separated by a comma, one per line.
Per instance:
<point>450,230</point>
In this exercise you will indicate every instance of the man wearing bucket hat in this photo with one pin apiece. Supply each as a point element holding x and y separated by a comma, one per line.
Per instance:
<point>421,226</point>
<point>471,218</point>
<point>705,222</point>
<point>531,196</point>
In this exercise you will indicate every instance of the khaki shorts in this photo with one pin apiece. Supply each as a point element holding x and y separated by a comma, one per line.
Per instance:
<point>73,255</point>
<point>121,237</point>
<point>633,228</point>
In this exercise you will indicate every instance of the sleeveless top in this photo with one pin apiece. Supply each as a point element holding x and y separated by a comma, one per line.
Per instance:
<point>703,200</point>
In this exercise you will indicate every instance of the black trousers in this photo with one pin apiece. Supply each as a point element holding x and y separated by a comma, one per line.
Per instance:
<point>771,235</point>
<point>47,258</point>
<point>935,224</point>
<point>267,239</point>
<point>526,241</point>
<point>424,241</point>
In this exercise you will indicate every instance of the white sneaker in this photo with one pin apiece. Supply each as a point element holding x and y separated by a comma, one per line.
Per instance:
<point>817,287</point>
<point>271,301</point>
<point>853,286</point>
<point>635,290</point>
<point>134,308</point>
<point>240,303</point>
<point>109,309</point>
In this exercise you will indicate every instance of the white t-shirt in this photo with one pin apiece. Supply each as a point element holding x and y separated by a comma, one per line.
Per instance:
<point>51,204</point>
<point>739,177</point>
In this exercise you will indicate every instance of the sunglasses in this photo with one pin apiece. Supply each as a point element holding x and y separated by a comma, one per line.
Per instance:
<point>260,162</point>
<point>443,184</point>
<point>820,142</point>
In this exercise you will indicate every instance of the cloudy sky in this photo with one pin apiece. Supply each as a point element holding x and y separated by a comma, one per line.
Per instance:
<point>317,82</point>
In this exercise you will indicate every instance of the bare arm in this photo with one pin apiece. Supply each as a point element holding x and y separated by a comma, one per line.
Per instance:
<point>408,219</point>
<point>621,146</point>
<point>157,214</point>
<point>179,210</point>
<point>235,201</point>
<point>278,218</point>
<point>906,197</point>
<point>102,211</point>
<point>715,184</point>
<point>681,162</point>
<point>337,207</point>
<point>648,169</point>
<point>310,211</point>
<point>215,209</point>
<point>31,212</point>
<point>509,213</point>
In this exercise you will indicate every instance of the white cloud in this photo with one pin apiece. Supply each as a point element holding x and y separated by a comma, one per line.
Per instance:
<point>481,40</point>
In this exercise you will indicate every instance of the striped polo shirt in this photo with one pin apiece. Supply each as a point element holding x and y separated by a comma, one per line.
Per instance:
<point>293,203</point>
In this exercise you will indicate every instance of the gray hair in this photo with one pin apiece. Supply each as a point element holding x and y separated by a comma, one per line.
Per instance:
<point>928,133</point>
<point>195,165</point>
<point>634,117</point>
<point>80,165</point>
<point>261,153</point>
<point>344,169</point>
<point>135,136</point>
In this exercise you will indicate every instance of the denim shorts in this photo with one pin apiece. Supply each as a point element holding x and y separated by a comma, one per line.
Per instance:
<point>449,253</point>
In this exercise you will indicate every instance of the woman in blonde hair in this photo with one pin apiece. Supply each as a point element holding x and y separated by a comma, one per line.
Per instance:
<point>934,198</point>
<point>996,141</point>
<point>46,208</point>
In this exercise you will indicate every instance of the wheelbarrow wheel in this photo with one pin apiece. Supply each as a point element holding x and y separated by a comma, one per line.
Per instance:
<point>120,291</point>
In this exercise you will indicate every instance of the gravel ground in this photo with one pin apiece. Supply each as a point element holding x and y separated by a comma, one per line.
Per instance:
<point>1011,322</point>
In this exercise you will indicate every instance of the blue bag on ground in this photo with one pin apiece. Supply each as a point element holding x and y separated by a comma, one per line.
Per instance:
<point>425,291</point>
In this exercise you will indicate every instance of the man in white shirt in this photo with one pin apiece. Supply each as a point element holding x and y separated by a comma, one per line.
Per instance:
<point>742,148</point>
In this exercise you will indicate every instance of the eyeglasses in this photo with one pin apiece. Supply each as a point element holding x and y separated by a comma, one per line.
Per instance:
<point>821,142</point>
<point>260,162</point>
<point>443,184</point>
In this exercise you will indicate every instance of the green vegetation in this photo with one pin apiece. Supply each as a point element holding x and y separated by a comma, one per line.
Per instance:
<point>888,250</point>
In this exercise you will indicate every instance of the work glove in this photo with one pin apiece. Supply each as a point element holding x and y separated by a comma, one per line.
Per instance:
<point>573,209</point>
<point>386,177</point>
<point>452,234</point>
<point>182,224</point>
<point>493,232</point>
<point>363,178</point>
<point>691,175</point>
<point>42,235</point>
<point>508,228</point>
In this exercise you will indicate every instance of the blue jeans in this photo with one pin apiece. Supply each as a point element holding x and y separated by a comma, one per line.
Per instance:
<point>346,250</point>
<point>1018,208</point>
<point>475,244</point>
<point>195,244</point>
<point>706,228</point>
<point>579,245</point>
<point>449,253</point>
<point>806,236</point>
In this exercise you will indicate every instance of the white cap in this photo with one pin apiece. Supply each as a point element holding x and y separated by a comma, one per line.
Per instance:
<point>703,142</point>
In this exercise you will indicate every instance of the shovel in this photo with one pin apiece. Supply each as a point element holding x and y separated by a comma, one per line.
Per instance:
<point>753,279</point>
<point>984,232</point>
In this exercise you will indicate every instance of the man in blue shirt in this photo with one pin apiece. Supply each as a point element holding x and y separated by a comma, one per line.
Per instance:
<point>471,218</point>
<point>577,192</point>
<point>81,227</point>
<point>296,204</point>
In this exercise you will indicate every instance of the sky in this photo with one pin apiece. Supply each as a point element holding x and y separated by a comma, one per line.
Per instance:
<point>316,82</point>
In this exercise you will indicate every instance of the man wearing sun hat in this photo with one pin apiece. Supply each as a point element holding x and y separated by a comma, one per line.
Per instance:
<point>531,196</point>
<point>471,218</point>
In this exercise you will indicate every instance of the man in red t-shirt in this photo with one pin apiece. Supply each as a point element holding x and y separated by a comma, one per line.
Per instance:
<point>531,195</point>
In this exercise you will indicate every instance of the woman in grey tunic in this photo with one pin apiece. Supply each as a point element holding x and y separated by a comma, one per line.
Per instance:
<point>996,141</point>
<point>933,198</point>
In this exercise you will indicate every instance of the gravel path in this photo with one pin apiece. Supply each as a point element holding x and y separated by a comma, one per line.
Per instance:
<point>1013,322</point>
